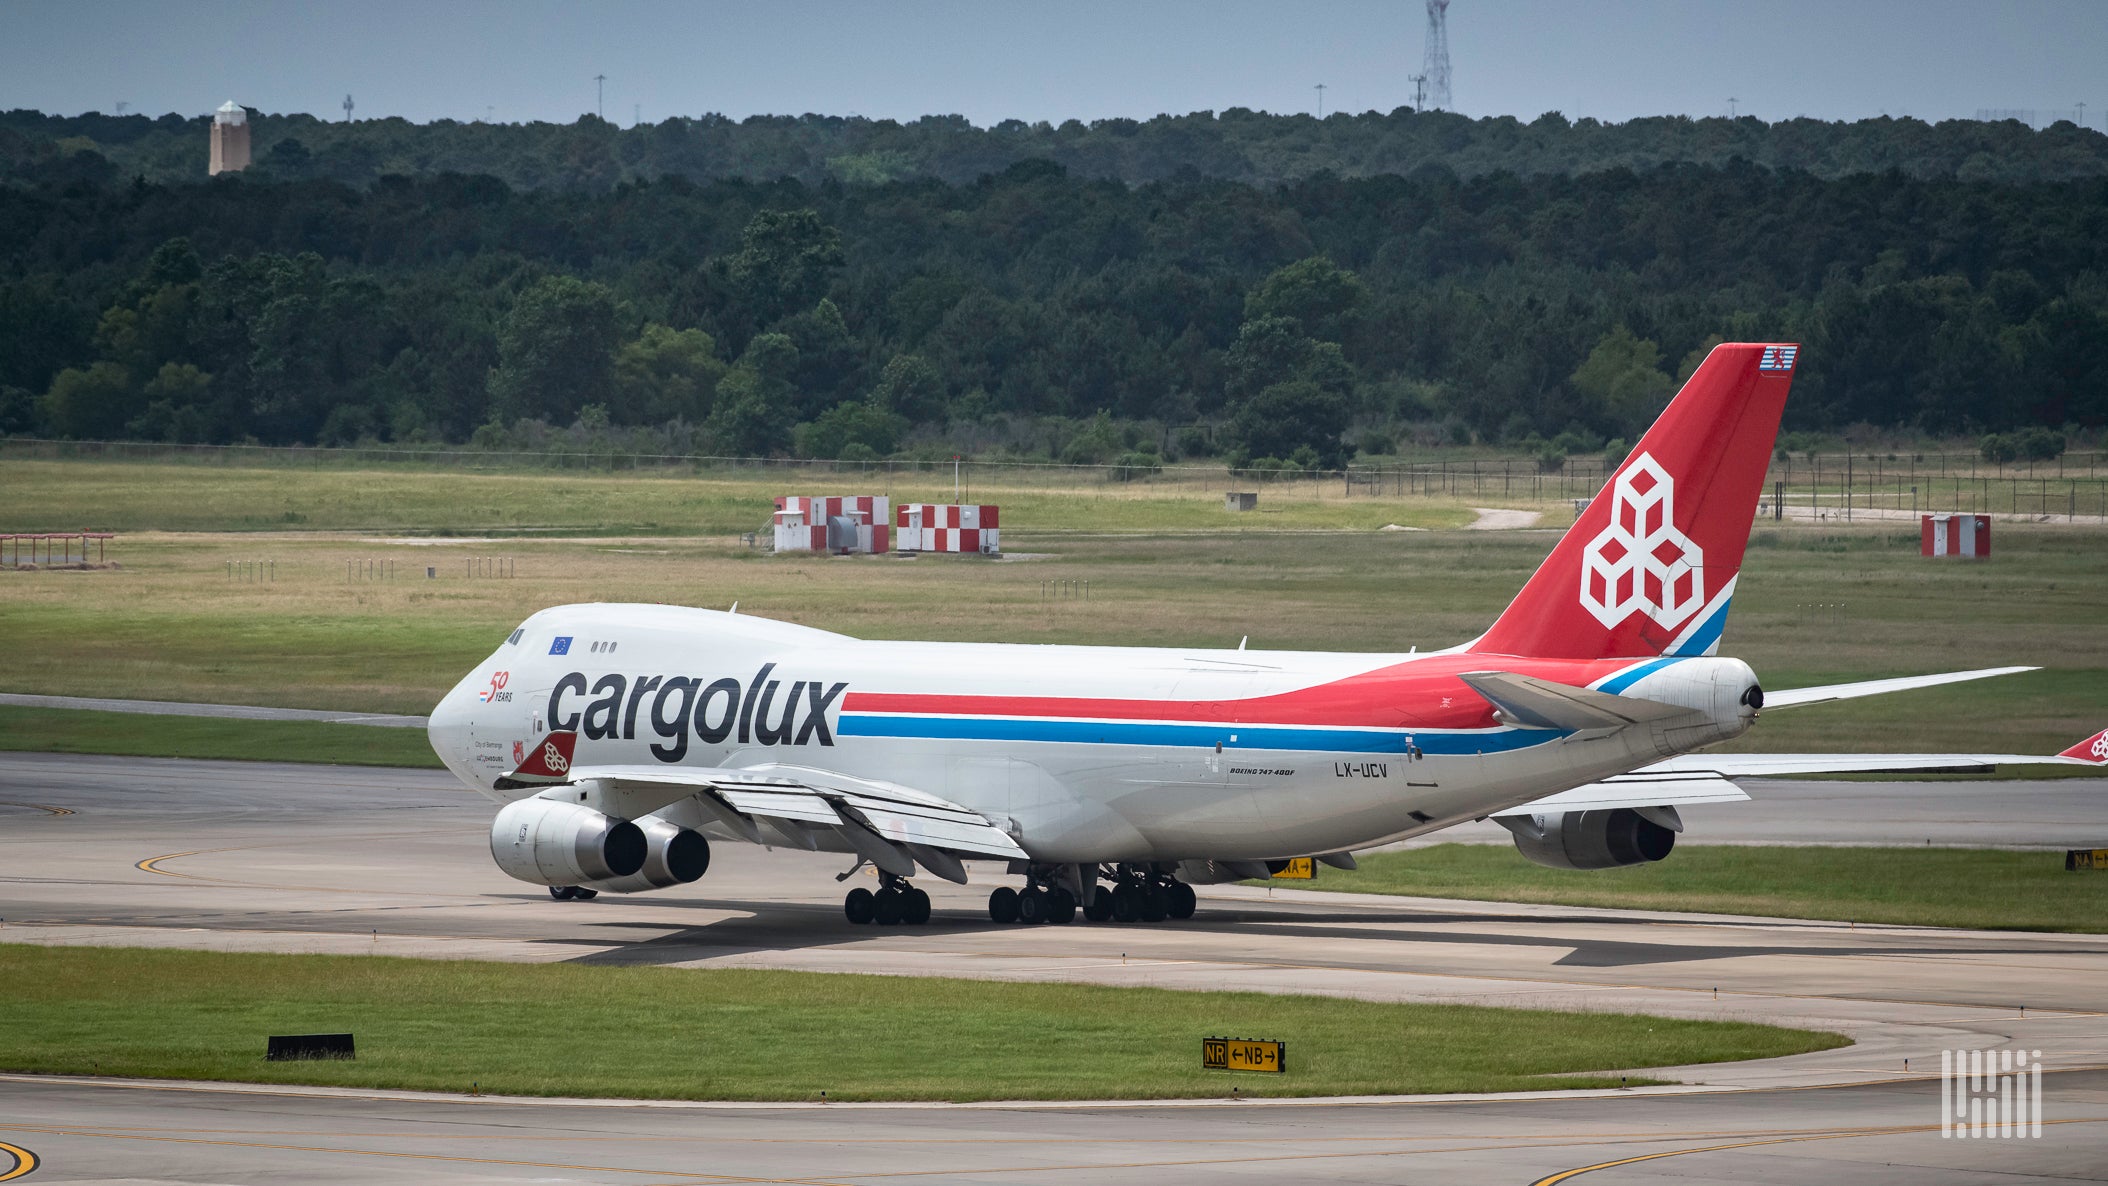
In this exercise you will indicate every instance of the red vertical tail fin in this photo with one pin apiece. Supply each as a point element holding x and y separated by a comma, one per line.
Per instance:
<point>1649,568</point>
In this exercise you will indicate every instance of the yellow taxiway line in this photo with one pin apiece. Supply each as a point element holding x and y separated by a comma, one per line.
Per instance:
<point>25,1162</point>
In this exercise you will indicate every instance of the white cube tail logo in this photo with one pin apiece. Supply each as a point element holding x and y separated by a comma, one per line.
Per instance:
<point>1641,563</point>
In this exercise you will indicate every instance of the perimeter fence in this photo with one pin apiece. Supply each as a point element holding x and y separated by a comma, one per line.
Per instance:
<point>1840,486</point>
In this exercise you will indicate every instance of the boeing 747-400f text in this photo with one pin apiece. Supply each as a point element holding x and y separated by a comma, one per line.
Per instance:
<point>624,739</point>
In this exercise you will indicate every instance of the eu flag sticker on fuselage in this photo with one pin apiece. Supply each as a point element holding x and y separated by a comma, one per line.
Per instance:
<point>561,645</point>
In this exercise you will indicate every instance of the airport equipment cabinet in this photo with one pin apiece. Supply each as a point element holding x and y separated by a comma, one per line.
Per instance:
<point>844,524</point>
<point>944,527</point>
<point>1955,535</point>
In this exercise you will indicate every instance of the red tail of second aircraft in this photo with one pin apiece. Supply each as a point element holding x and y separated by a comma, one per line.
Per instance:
<point>1649,568</point>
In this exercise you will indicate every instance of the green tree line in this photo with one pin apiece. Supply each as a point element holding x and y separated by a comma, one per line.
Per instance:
<point>1234,145</point>
<point>1037,311</point>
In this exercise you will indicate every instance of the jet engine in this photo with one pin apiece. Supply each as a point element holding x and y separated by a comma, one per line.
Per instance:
<point>673,855</point>
<point>1217,872</point>
<point>551,843</point>
<point>1601,839</point>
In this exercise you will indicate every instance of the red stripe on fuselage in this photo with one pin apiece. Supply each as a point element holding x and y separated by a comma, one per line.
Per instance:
<point>1421,694</point>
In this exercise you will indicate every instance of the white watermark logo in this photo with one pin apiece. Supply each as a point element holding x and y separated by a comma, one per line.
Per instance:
<point>1990,1093</point>
<point>1641,562</point>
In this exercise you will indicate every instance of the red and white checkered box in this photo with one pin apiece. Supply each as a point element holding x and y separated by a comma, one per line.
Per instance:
<point>946,527</point>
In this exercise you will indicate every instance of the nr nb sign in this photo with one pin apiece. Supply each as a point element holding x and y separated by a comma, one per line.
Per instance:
<point>1243,1054</point>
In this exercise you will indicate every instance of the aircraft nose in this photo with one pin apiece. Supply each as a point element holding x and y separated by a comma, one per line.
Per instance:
<point>448,730</point>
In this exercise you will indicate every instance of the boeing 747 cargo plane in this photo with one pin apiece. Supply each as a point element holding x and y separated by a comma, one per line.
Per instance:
<point>623,740</point>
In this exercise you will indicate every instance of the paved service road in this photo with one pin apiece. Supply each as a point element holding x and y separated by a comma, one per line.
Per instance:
<point>140,1133</point>
<point>246,856</point>
<point>242,712</point>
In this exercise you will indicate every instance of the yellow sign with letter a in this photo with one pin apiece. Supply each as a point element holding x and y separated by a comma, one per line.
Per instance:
<point>1299,869</point>
<point>1243,1054</point>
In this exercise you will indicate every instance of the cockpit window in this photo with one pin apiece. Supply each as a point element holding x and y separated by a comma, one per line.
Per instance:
<point>515,639</point>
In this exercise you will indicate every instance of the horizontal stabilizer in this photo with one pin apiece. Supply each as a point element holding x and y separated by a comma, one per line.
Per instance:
<point>1532,703</point>
<point>1793,697</point>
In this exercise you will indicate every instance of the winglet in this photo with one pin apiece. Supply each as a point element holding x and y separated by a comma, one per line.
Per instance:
<point>2093,751</point>
<point>550,761</point>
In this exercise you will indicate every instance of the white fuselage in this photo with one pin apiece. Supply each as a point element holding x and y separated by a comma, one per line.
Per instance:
<point>1082,754</point>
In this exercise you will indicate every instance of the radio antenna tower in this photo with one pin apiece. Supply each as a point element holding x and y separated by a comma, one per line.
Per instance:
<point>1436,67</point>
<point>347,109</point>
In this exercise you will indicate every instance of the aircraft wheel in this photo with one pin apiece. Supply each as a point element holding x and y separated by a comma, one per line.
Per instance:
<point>915,907</point>
<point>1100,906</point>
<point>858,907</point>
<point>886,908</point>
<point>1032,907</point>
<point>1002,905</point>
<point>561,893</point>
<point>583,894</point>
<point>1155,903</point>
<point>1061,906</point>
<point>1183,900</point>
<point>1127,904</point>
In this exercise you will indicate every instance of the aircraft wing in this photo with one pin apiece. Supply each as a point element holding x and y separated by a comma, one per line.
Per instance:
<point>892,824</point>
<point>1710,778</point>
<point>1794,697</point>
<point>1637,790</point>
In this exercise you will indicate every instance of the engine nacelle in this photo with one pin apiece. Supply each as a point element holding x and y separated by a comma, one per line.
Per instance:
<point>1601,839</point>
<point>673,855</point>
<point>1218,872</point>
<point>551,843</point>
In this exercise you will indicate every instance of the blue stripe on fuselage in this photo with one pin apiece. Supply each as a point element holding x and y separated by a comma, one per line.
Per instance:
<point>1243,737</point>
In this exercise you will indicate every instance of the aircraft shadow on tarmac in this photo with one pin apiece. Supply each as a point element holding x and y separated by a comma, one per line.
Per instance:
<point>780,926</point>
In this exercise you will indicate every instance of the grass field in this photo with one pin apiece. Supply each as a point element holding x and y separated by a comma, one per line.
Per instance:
<point>69,731</point>
<point>735,1034</point>
<point>1941,887</point>
<point>1815,604</point>
<point>130,496</point>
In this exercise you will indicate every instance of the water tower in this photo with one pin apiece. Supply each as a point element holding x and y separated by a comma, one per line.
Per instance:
<point>230,139</point>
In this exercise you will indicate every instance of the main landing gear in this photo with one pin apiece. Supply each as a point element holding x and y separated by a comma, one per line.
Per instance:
<point>566,893</point>
<point>895,904</point>
<point>1139,893</point>
<point>1032,905</point>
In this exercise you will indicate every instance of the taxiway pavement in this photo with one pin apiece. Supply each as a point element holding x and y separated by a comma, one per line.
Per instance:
<point>264,857</point>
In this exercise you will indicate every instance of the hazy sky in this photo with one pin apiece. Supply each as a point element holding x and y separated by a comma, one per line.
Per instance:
<point>1084,59</point>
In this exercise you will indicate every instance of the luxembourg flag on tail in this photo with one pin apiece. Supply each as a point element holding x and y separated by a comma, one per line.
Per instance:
<point>1649,568</point>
